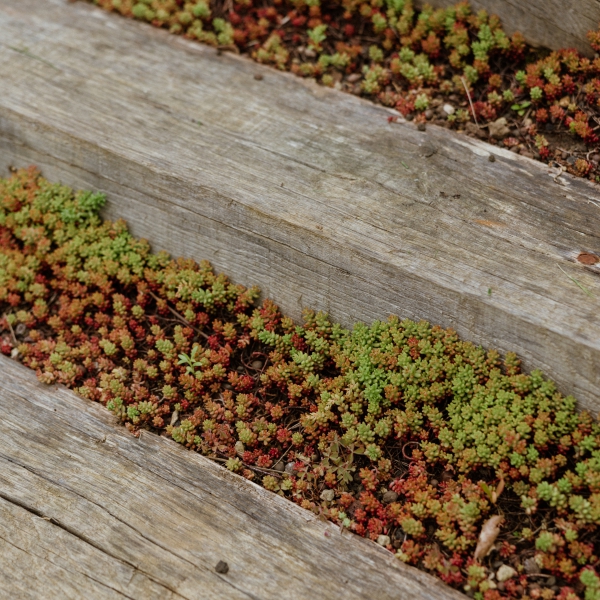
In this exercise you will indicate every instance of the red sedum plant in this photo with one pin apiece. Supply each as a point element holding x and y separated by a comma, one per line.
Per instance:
<point>451,66</point>
<point>442,452</point>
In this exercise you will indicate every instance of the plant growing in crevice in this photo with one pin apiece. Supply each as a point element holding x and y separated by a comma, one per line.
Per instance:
<point>395,54</point>
<point>398,431</point>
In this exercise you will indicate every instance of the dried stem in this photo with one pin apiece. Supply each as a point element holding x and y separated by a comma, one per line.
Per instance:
<point>180,317</point>
<point>469,97</point>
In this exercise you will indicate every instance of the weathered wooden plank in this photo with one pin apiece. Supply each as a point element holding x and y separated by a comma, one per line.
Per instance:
<point>552,24</point>
<point>307,192</point>
<point>89,511</point>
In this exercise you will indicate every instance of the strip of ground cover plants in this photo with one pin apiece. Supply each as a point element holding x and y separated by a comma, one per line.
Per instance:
<point>442,452</point>
<point>447,66</point>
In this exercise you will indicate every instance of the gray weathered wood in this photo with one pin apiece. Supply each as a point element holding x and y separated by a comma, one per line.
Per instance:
<point>552,24</point>
<point>89,511</point>
<point>307,192</point>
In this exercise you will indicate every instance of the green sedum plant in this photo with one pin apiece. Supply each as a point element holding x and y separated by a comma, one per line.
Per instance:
<point>398,431</point>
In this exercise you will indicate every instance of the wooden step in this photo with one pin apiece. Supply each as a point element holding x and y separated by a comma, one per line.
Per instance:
<point>89,511</point>
<point>305,191</point>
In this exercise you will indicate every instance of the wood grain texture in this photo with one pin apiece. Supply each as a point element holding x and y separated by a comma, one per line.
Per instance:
<point>305,191</point>
<point>552,24</point>
<point>89,511</point>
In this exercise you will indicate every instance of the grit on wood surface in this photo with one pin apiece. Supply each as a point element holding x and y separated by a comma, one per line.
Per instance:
<point>89,511</point>
<point>305,191</point>
<point>550,23</point>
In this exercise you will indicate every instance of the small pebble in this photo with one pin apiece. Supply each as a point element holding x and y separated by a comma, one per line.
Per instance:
<point>239,447</point>
<point>531,566</point>
<point>289,468</point>
<point>499,128</point>
<point>256,364</point>
<point>258,77</point>
<point>448,109</point>
<point>505,573</point>
<point>279,467</point>
<point>353,77</point>
<point>222,567</point>
<point>328,495</point>
<point>564,155</point>
<point>389,496</point>
<point>310,53</point>
<point>434,482</point>
<point>409,117</point>
<point>551,581</point>
<point>492,158</point>
<point>447,476</point>
<point>384,540</point>
<point>14,353</point>
<point>421,127</point>
<point>429,114</point>
<point>174,418</point>
<point>20,329</point>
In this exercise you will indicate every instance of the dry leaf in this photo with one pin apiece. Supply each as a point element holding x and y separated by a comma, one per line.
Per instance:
<point>487,537</point>
<point>499,489</point>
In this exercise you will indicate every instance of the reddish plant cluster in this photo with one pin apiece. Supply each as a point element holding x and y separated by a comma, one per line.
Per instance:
<point>442,452</point>
<point>450,66</point>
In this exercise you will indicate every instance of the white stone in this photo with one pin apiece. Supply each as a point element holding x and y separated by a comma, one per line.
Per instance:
<point>327,495</point>
<point>499,128</point>
<point>384,540</point>
<point>448,109</point>
<point>505,573</point>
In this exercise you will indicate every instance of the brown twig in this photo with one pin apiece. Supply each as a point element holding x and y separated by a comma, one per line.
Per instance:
<point>12,331</point>
<point>180,317</point>
<point>251,467</point>
<point>404,453</point>
<point>470,101</point>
